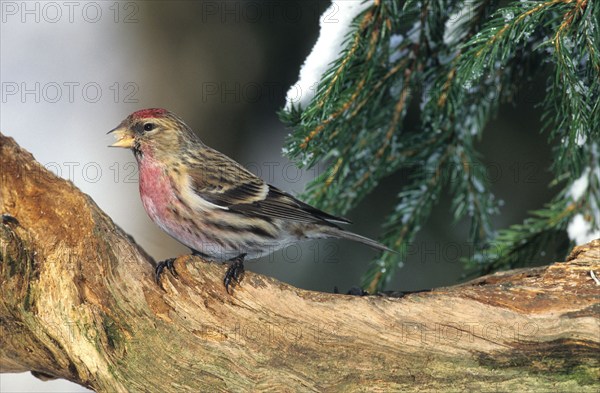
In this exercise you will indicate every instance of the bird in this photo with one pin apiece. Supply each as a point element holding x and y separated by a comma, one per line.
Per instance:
<point>211,203</point>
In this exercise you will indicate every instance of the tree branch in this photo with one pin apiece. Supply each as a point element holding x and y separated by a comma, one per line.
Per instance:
<point>79,302</point>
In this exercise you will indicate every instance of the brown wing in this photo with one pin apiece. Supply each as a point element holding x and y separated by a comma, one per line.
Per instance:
<point>223,182</point>
<point>279,204</point>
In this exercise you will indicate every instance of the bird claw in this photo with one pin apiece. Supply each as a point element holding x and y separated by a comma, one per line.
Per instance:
<point>8,219</point>
<point>160,266</point>
<point>234,272</point>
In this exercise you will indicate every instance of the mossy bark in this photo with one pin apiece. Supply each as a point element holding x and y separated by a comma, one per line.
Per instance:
<point>79,302</point>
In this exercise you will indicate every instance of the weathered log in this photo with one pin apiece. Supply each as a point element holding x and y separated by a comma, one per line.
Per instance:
<point>79,302</point>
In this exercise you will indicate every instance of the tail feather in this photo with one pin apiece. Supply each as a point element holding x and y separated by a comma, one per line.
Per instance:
<point>342,234</point>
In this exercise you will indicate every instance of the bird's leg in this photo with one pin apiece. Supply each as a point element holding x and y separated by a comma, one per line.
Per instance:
<point>235,271</point>
<point>160,266</point>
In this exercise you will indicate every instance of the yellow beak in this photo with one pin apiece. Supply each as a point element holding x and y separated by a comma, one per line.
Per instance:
<point>124,137</point>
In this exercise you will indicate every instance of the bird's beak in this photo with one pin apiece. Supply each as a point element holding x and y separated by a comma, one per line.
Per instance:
<point>124,137</point>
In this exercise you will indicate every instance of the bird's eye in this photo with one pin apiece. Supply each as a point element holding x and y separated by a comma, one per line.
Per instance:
<point>148,127</point>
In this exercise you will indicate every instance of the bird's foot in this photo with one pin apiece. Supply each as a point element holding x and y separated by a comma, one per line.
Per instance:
<point>8,219</point>
<point>160,266</point>
<point>235,271</point>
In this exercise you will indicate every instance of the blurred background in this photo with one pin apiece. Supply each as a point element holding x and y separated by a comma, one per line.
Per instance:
<point>71,71</point>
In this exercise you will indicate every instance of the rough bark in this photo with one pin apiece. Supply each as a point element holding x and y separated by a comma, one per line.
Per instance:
<point>79,302</point>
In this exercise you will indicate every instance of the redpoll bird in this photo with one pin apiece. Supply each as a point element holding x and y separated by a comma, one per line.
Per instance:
<point>212,204</point>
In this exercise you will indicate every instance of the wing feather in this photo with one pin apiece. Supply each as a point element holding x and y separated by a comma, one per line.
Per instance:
<point>219,180</point>
<point>225,183</point>
<point>282,205</point>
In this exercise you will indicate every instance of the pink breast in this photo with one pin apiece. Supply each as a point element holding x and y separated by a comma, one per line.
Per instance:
<point>159,200</point>
<point>156,191</point>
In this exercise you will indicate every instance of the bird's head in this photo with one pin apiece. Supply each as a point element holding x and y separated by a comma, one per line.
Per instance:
<point>153,131</point>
